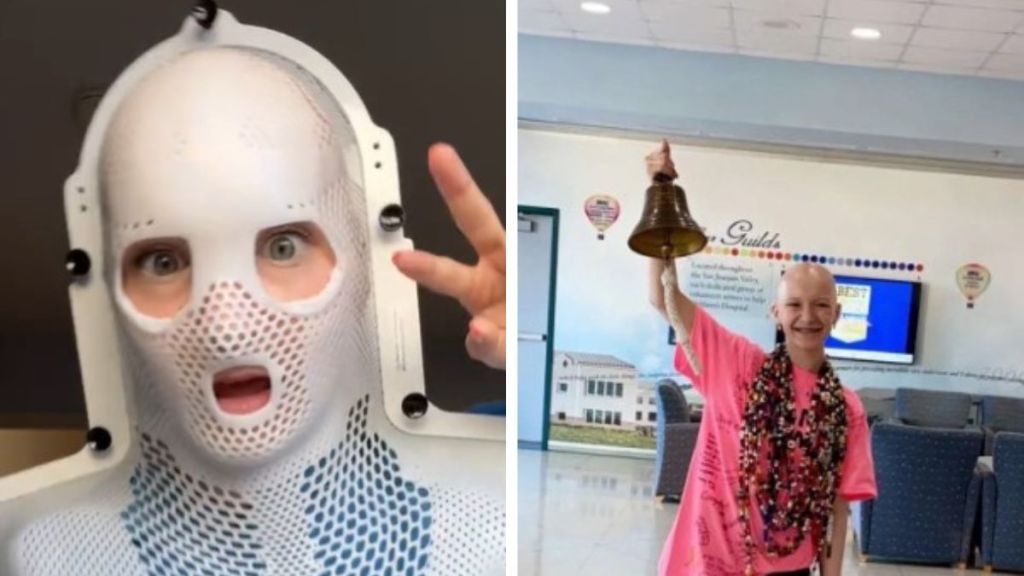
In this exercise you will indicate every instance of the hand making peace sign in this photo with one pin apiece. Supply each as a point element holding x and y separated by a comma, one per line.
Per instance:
<point>480,288</point>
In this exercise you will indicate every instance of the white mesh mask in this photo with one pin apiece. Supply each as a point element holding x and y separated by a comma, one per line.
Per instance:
<point>213,149</point>
<point>212,138</point>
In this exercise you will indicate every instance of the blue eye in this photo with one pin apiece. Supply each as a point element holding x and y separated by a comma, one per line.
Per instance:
<point>284,246</point>
<point>161,262</point>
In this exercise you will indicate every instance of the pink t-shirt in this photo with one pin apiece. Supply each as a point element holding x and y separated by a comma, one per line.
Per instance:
<point>707,537</point>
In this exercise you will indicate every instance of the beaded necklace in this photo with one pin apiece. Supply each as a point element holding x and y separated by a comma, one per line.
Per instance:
<point>808,481</point>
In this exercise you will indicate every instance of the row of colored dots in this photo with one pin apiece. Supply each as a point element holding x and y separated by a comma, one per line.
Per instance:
<point>815,258</point>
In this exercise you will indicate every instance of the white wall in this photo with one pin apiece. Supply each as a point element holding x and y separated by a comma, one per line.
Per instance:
<point>941,220</point>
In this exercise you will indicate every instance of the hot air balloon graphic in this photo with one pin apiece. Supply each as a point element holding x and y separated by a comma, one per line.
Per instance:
<point>602,210</point>
<point>973,279</point>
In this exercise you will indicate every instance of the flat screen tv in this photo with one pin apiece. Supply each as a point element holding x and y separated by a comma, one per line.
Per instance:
<point>878,321</point>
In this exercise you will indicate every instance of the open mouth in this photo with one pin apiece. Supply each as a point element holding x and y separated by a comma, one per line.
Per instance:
<point>242,389</point>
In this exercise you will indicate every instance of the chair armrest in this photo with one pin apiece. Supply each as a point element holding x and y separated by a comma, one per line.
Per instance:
<point>972,511</point>
<point>681,439</point>
<point>990,438</point>
<point>989,491</point>
<point>861,512</point>
<point>682,431</point>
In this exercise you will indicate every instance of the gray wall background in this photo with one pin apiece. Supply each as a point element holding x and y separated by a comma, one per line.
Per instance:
<point>428,71</point>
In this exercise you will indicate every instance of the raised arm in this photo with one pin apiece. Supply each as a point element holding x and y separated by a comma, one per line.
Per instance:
<point>656,294</point>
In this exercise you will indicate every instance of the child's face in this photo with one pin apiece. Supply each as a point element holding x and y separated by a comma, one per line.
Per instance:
<point>806,307</point>
<point>293,261</point>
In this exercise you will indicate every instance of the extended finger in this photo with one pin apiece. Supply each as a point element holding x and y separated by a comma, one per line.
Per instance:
<point>438,273</point>
<point>486,342</point>
<point>472,212</point>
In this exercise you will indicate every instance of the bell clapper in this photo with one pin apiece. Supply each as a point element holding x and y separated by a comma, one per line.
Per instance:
<point>671,284</point>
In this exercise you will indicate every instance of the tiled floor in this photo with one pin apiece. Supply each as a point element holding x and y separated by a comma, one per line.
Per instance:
<point>596,515</point>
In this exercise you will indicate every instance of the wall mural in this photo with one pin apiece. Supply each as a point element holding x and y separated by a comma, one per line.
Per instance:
<point>763,213</point>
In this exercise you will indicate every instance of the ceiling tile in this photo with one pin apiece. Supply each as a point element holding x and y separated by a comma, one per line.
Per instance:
<point>783,7</point>
<point>674,14</point>
<point>1006,62</point>
<point>628,9</point>
<point>549,33</point>
<point>537,21</point>
<point>876,11</point>
<point>1005,4</point>
<point>780,55</point>
<point>853,49</point>
<point>625,20</point>
<point>616,38</point>
<point>800,25</point>
<point>958,39</point>
<point>971,18</point>
<point>856,62</point>
<point>666,32</point>
<point>937,57</point>
<point>696,3</point>
<point>947,70</point>
<point>688,47</point>
<point>621,27</point>
<point>944,36</point>
<point>891,33</point>
<point>765,40</point>
<point>536,5</point>
<point>1014,45</point>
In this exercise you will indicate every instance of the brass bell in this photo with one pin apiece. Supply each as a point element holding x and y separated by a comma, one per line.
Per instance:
<point>666,229</point>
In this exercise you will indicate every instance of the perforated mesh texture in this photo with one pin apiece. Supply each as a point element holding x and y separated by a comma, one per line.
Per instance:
<point>470,533</point>
<point>362,516</point>
<point>366,518</point>
<point>184,525</point>
<point>229,323</point>
<point>87,540</point>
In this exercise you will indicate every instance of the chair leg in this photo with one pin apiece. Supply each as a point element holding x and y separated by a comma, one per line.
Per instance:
<point>988,569</point>
<point>961,565</point>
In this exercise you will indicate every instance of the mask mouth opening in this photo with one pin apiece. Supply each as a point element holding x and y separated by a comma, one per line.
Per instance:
<point>242,390</point>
